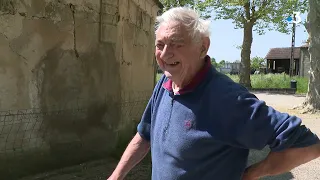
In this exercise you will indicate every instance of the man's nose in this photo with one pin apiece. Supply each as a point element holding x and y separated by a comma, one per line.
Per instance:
<point>166,52</point>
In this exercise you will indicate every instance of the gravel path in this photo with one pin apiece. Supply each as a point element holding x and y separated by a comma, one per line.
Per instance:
<point>284,103</point>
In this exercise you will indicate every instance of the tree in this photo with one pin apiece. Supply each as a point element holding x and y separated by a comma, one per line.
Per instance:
<point>219,64</point>
<point>214,62</point>
<point>256,15</point>
<point>257,62</point>
<point>312,101</point>
<point>222,63</point>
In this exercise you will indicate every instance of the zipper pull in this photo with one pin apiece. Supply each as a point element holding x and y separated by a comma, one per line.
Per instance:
<point>172,100</point>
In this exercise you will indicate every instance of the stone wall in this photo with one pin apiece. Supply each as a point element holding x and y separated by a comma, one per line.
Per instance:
<point>81,70</point>
<point>304,62</point>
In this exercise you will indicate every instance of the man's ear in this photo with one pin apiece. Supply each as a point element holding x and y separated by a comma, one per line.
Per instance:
<point>205,46</point>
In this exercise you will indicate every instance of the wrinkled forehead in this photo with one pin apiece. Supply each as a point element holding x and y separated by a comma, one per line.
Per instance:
<point>172,31</point>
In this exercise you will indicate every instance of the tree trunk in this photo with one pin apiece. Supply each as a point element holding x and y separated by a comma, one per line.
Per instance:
<point>245,55</point>
<point>313,96</point>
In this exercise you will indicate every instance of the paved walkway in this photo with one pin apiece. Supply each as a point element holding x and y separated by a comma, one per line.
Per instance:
<point>100,169</point>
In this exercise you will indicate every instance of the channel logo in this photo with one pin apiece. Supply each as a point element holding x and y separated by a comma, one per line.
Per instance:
<point>297,16</point>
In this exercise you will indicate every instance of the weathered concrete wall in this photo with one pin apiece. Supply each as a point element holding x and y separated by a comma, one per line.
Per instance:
<point>77,61</point>
<point>304,62</point>
<point>136,47</point>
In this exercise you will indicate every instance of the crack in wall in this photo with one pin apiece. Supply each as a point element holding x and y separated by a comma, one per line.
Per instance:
<point>25,60</point>
<point>6,13</point>
<point>72,8</point>
<point>39,17</point>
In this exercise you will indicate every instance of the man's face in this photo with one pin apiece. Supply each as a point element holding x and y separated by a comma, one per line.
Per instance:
<point>176,54</point>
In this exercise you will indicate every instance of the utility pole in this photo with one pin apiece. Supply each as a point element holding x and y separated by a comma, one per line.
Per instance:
<point>291,73</point>
<point>292,64</point>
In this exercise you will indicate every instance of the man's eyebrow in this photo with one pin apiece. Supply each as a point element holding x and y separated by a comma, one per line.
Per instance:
<point>172,39</point>
<point>158,41</point>
<point>177,39</point>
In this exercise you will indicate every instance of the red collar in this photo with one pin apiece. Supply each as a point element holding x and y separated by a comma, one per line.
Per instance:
<point>199,77</point>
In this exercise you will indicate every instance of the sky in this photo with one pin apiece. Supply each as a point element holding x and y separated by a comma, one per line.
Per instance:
<point>224,40</point>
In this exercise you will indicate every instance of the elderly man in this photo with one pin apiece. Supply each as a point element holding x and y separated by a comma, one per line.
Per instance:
<point>199,124</point>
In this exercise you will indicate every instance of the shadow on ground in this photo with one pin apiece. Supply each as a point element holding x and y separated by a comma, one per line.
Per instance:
<point>256,156</point>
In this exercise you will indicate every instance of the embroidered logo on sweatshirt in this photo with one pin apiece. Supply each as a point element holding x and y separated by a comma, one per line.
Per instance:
<point>188,124</point>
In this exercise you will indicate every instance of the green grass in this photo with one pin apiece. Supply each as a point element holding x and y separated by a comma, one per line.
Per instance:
<point>276,81</point>
<point>272,81</point>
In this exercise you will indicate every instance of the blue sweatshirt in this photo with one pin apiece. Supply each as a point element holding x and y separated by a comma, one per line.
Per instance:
<point>206,130</point>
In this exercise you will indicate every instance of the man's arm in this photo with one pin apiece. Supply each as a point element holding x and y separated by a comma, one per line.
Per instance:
<point>134,153</point>
<point>254,125</point>
<point>281,162</point>
<point>140,144</point>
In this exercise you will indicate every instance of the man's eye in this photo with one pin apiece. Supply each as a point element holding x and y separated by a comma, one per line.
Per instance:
<point>160,46</point>
<point>177,45</point>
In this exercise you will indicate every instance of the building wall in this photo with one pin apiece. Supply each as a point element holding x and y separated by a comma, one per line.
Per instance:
<point>73,72</point>
<point>233,67</point>
<point>305,62</point>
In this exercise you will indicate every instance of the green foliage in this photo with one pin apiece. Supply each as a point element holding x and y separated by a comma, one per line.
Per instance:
<point>275,81</point>
<point>222,62</point>
<point>257,62</point>
<point>219,64</point>
<point>200,5</point>
<point>159,76</point>
<point>259,16</point>
<point>263,14</point>
<point>214,62</point>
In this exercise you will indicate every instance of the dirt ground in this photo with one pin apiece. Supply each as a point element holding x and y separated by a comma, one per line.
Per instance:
<point>101,169</point>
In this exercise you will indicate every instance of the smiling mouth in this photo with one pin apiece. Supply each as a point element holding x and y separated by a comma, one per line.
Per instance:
<point>173,64</point>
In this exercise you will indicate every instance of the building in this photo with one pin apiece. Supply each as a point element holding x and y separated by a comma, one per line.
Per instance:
<point>231,67</point>
<point>278,60</point>
<point>75,79</point>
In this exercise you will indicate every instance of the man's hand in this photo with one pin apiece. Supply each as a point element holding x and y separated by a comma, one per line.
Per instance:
<point>247,176</point>
<point>113,178</point>
<point>251,173</point>
<point>134,153</point>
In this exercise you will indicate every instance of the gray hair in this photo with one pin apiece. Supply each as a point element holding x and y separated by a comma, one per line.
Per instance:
<point>197,27</point>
